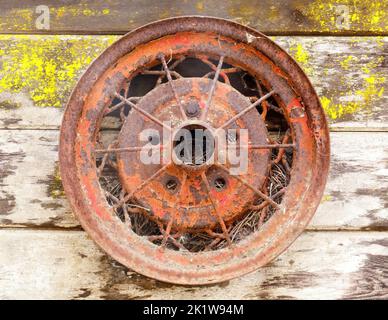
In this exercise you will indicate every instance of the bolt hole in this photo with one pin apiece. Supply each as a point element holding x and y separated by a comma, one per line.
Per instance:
<point>171,185</point>
<point>154,140</point>
<point>220,183</point>
<point>192,108</point>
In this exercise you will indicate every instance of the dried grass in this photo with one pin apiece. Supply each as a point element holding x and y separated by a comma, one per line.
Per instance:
<point>249,222</point>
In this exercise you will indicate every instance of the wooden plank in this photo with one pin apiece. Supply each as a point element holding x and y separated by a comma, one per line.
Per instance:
<point>356,192</point>
<point>68,265</point>
<point>31,194</point>
<point>31,189</point>
<point>119,16</point>
<point>349,74</point>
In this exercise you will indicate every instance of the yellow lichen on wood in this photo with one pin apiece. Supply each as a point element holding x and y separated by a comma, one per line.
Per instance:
<point>326,197</point>
<point>19,19</point>
<point>55,188</point>
<point>342,15</point>
<point>164,14</point>
<point>301,55</point>
<point>245,14</point>
<point>270,16</point>
<point>23,19</point>
<point>345,63</point>
<point>199,6</point>
<point>363,99</point>
<point>350,85</point>
<point>46,68</point>
<point>77,10</point>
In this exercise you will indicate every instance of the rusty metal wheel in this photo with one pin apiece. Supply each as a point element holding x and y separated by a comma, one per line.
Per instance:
<point>194,219</point>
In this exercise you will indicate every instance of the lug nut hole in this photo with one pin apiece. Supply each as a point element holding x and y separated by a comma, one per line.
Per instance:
<point>171,185</point>
<point>154,140</point>
<point>220,183</point>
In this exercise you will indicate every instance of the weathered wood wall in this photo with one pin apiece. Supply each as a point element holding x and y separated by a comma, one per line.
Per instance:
<point>43,251</point>
<point>269,16</point>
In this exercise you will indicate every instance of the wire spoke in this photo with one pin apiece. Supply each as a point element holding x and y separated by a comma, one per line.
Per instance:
<point>220,220</point>
<point>253,105</point>
<point>173,238</point>
<point>223,73</point>
<point>143,112</point>
<point>105,159</point>
<point>215,234</point>
<point>269,146</point>
<point>176,62</point>
<point>115,107</point>
<point>127,219</point>
<point>168,73</point>
<point>121,104</point>
<point>281,152</point>
<point>212,88</point>
<point>160,236</point>
<point>167,232</point>
<point>173,66</point>
<point>266,203</point>
<point>257,191</point>
<point>162,73</point>
<point>170,222</point>
<point>128,149</point>
<point>141,186</point>
<point>265,104</point>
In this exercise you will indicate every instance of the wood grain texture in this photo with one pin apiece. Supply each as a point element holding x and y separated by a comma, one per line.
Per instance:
<point>44,252</point>
<point>119,16</point>
<point>31,194</point>
<point>349,74</point>
<point>68,265</point>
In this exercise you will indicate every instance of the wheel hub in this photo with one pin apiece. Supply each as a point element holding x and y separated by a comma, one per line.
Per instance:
<point>166,196</point>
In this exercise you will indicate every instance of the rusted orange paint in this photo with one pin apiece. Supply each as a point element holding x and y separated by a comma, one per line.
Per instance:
<point>262,59</point>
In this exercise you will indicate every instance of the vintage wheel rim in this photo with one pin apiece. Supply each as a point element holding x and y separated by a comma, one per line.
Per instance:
<point>155,44</point>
